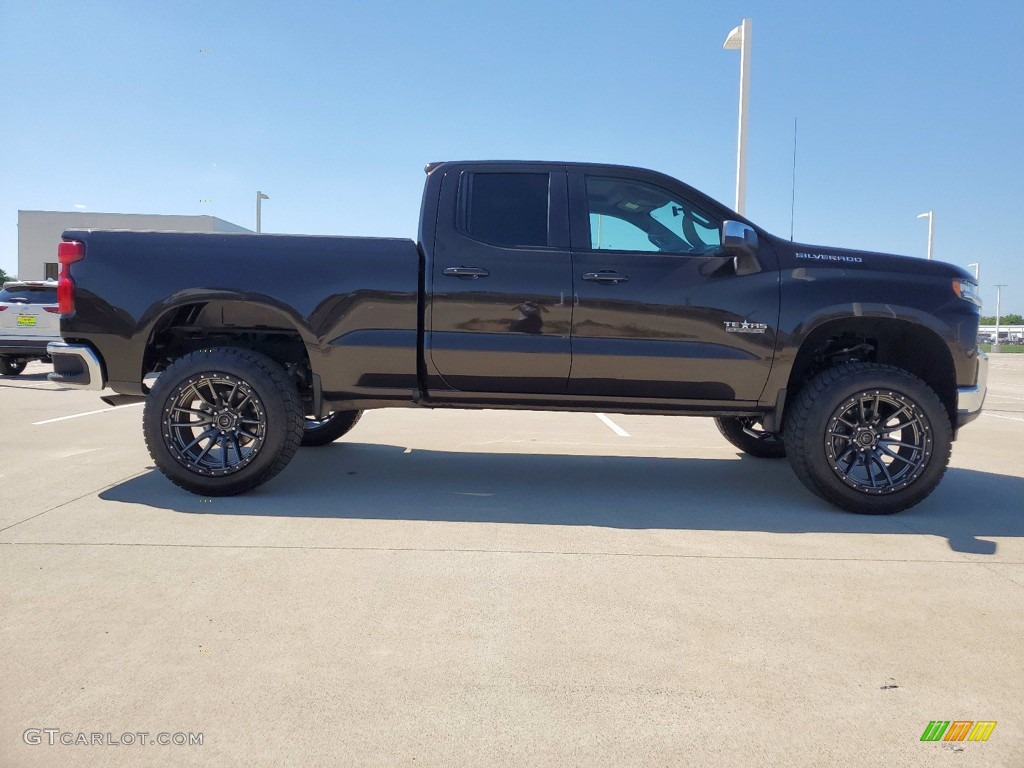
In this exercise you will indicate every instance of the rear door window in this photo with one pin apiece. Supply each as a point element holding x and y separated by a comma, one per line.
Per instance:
<point>509,210</point>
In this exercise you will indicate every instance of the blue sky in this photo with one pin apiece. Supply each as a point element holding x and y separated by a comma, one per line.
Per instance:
<point>333,109</point>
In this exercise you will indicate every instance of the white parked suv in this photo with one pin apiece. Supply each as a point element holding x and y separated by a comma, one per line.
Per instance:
<point>29,320</point>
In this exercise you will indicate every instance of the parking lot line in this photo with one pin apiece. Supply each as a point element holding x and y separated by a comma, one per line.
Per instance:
<point>612,425</point>
<point>998,416</point>
<point>87,413</point>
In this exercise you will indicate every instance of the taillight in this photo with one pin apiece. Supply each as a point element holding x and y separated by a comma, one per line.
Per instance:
<point>54,310</point>
<point>67,253</point>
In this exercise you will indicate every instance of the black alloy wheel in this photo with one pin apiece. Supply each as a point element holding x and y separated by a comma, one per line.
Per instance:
<point>878,441</point>
<point>214,424</point>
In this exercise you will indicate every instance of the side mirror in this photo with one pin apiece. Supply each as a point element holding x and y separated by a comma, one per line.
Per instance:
<point>740,240</point>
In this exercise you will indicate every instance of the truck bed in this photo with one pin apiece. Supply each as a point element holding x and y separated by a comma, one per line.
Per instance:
<point>353,299</point>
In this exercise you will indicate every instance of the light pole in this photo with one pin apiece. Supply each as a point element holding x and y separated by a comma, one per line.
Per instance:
<point>739,39</point>
<point>260,197</point>
<point>977,267</point>
<point>930,215</point>
<point>999,295</point>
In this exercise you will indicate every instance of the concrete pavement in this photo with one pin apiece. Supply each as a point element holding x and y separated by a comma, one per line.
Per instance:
<point>502,588</point>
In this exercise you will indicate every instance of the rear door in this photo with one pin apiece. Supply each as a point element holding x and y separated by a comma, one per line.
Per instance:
<point>500,281</point>
<point>661,311</point>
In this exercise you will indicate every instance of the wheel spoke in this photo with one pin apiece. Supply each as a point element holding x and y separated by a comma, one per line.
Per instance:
<point>896,413</point>
<point>902,425</point>
<point>885,469</point>
<point>849,449</point>
<point>863,415</point>
<point>193,411</point>
<point>206,433</point>
<point>231,394</point>
<point>206,450</point>
<point>250,435</point>
<point>213,391</point>
<point>905,460</point>
<point>868,471</point>
<point>203,400</point>
<point>237,447</point>
<point>200,423</point>
<point>901,445</point>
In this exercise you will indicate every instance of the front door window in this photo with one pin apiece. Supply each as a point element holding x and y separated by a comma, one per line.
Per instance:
<point>628,215</point>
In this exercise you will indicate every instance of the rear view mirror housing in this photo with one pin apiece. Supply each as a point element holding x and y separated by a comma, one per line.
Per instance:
<point>740,241</point>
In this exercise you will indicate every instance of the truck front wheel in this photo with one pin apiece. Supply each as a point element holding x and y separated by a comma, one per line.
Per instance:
<point>870,438</point>
<point>222,421</point>
<point>745,435</point>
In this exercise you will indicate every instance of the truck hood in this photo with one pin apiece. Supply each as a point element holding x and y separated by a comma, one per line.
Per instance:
<point>807,254</point>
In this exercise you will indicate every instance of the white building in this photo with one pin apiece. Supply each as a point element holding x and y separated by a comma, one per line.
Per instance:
<point>39,233</point>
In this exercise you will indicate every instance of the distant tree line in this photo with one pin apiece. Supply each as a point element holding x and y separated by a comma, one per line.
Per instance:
<point>1003,320</point>
<point>4,276</point>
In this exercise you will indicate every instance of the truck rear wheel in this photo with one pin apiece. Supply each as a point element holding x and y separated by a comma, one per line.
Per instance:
<point>872,439</point>
<point>222,421</point>
<point>749,438</point>
<point>326,431</point>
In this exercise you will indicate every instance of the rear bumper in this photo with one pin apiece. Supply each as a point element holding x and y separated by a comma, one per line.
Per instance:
<point>75,365</point>
<point>24,346</point>
<point>969,400</point>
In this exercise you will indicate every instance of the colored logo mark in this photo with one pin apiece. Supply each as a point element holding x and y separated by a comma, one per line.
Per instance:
<point>958,730</point>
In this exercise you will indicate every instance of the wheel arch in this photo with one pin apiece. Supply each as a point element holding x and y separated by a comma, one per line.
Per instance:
<point>262,326</point>
<point>912,346</point>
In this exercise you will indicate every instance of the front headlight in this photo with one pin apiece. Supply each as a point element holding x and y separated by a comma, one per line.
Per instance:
<point>967,290</point>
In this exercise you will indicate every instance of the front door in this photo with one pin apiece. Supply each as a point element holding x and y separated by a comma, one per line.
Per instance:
<point>661,311</point>
<point>500,282</point>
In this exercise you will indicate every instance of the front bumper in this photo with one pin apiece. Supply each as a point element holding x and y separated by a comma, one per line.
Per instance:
<point>970,399</point>
<point>75,365</point>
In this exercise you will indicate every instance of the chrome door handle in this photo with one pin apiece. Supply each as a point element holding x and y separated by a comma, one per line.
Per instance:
<point>605,276</point>
<point>469,273</point>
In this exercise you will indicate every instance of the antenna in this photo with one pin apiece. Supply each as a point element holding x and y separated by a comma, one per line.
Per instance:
<point>792,202</point>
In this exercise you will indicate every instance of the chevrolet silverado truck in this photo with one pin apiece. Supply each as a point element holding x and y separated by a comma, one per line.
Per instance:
<point>546,286</point>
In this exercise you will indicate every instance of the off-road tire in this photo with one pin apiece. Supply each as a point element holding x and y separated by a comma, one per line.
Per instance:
<point>815,415</point>
<point>330,429</point>
<point>765,445</point>
<point>280,410</point>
